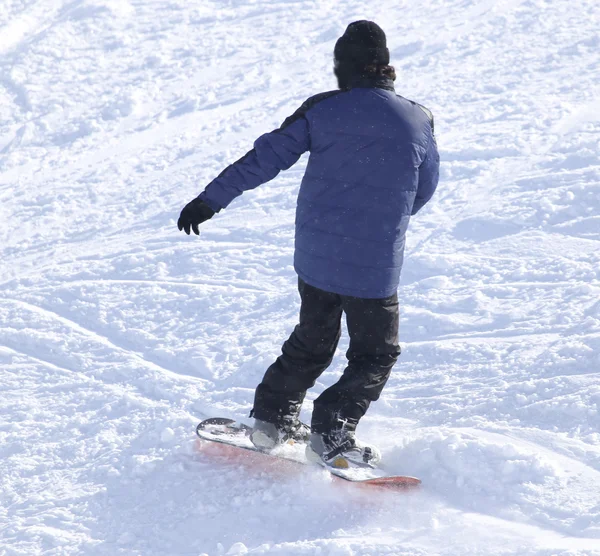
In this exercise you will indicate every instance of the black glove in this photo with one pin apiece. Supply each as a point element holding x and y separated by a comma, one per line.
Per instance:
<point>194,213</point>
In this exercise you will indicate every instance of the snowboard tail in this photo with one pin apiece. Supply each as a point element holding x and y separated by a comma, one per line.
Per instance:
<point>232,433</point>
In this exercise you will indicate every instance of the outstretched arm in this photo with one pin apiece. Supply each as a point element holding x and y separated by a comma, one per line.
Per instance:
<point>272,153</point>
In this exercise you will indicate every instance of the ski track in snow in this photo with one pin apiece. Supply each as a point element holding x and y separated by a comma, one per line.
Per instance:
<point>118,333</point>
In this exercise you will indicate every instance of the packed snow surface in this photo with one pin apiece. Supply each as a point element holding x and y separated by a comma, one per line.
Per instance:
<point>118,333</point>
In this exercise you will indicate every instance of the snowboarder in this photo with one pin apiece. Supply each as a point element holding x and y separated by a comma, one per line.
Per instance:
<point>373,163</point>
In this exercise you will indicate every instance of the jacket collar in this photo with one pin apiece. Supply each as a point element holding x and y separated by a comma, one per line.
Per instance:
<point>377,82</point>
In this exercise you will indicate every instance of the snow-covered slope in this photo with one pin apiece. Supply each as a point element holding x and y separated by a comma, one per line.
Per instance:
<point>118,333</point>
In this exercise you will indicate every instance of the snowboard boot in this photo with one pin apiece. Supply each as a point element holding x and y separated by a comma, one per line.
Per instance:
<point>266,436</point>
<point>340,449</point>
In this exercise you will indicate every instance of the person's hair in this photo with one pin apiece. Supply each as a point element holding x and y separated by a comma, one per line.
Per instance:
<point>383,71</point>
<point>347,71</point>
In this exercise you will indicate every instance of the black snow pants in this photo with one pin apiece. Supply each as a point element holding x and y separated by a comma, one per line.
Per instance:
<point>373,330</point>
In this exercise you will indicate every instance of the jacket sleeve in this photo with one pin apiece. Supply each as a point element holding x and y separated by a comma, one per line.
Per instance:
<point>429,173</point>
<point>272,152</point>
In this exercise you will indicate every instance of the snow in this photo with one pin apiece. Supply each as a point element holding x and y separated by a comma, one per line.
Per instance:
<point>118,333</point>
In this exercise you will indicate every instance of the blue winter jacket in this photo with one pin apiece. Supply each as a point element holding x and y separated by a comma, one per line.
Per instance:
<point>373,163</point>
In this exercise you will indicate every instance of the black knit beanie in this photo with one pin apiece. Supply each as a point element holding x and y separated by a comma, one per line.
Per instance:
<point>362,44</point>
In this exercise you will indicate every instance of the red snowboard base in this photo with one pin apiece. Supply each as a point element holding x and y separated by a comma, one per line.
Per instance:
<point>230,438</point>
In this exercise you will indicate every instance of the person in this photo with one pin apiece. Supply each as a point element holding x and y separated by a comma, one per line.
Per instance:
<point>373,163</point>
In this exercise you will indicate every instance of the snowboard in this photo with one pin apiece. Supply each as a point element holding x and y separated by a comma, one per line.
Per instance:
<point>234,434</point>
